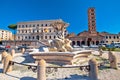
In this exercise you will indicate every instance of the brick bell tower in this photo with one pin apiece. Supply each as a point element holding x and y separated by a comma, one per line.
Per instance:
<point>91,21</point>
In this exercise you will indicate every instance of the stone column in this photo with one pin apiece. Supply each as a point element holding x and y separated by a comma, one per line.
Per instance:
<point>93,74</point>
<point>113,60</point>
<point>22,50</point>
<point>12,52</point>
<point>41,73</point>
<point>4,54</point>
<point>6,66</point>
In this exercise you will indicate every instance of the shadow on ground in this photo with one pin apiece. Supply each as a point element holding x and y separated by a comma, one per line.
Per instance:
<point>1,70</point>
<point>28,78</point>
<point>74,77</point>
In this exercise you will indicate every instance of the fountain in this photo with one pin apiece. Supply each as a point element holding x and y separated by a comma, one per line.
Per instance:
<point>62,50</point>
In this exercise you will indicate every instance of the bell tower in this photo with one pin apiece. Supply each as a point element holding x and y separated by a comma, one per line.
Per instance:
<point>91,21</point>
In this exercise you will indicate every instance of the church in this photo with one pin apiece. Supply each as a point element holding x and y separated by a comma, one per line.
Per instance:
<point>90,37</point>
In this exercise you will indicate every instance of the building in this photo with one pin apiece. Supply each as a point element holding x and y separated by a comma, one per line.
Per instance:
<point>110,38</point>
<point>33,32</point>
<point>5,35</point>
<point>90,37</point>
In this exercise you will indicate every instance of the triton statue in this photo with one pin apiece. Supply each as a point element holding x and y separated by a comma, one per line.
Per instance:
<point>60,42</point>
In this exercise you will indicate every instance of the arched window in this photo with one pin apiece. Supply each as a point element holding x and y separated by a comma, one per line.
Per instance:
<point>83,43</point>
<point>78,43</point>
<point>97,42</point>
<point>73,43</point>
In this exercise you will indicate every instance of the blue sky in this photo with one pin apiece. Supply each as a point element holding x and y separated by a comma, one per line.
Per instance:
<point>71,11</point>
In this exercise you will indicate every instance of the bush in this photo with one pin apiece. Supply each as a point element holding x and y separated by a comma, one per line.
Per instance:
<point>111,49</point>
<point>103,48</point>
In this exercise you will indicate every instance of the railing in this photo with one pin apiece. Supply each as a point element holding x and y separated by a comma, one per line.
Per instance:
<point>34,66</point>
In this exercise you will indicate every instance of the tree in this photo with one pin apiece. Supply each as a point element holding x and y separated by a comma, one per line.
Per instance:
<point>13,27</point>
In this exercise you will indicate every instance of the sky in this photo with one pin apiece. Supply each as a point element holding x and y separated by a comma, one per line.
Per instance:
<point>73,12</point>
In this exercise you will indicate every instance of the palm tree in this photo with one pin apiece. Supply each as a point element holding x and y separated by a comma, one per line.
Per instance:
<point>13,27</point>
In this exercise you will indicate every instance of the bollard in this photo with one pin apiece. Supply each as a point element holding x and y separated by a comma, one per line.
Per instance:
<point>93,74</point>
<point>4,54</point>
<point>109,55</point>
<point>41,74</point>
<point>113,60</point>
<point>7,67</point>
<point>12,52</point>
<point>22,50</point>
<point>100,52</point>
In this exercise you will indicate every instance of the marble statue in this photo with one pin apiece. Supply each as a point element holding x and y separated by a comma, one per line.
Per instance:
<point>61,43</point>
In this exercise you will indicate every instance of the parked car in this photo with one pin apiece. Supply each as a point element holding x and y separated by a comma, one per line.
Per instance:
<point>93,46</point>
<point>20,47</point>
<point>2,49</point>
<point>8,46</point>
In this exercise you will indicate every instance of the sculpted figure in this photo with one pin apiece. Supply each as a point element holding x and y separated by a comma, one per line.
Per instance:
<point>60,42</point>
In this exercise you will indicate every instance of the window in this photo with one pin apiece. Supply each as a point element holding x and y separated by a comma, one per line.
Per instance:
<point>33,31</point>
<point>54,37</point>
<point>33,37</point>
<point>26,26</point>
<point>50,30</point>
<point>45,24</point>
<point>29,37</point>
<point>93,21</point>
<point>92,10</point>
<point>33,25</point>
<point>22,26</point>
<point>106,41</point>
<point>114,37</point>
<point>117,37</point>
<point>50,37</point>
<point>37,31</point>
<point>92,13</point>
<point>41,37</point>
<point>109,37</point>
<point>25,37</point>
<point>37,24</point>
<point>106,37</point>
<point>45,37</point>
<point>41,24</point>
<point>26,31</point>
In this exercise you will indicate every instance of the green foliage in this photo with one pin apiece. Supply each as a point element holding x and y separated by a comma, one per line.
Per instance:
<point>110,49</point>
<point>12,26</point>
<point>104,48</point>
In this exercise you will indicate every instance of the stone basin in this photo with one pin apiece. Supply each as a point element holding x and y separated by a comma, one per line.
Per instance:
<point>60,57</point>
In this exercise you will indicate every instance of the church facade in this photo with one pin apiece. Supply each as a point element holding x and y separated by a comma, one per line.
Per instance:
<point>90,37</point>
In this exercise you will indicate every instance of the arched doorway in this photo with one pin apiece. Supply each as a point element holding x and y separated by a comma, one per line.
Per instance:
<point>83,43</point>
<point>89,41</point>
<point>97,42</point>
<point>93,42</point>
<point>78,43</point>
<point>73,43</point>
